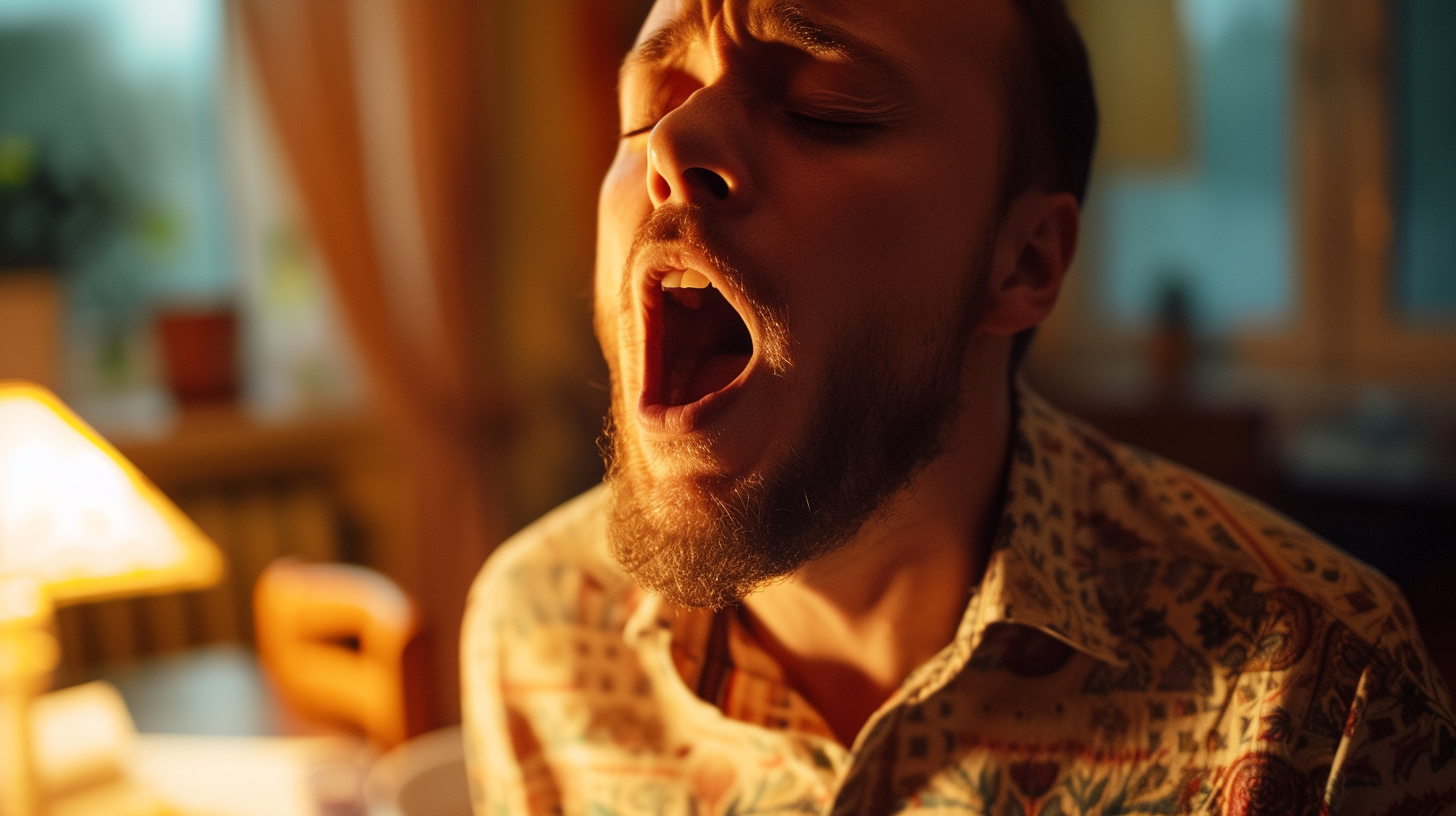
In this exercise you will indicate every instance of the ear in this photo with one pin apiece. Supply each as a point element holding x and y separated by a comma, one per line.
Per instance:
<point>1034,246</point>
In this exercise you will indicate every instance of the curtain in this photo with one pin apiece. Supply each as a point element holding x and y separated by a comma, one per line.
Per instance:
<point>379,108</point>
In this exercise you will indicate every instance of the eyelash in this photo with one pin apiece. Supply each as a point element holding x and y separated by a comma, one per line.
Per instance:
<point>821,119</point>
<point>819,127</point>
<point>801,121</point>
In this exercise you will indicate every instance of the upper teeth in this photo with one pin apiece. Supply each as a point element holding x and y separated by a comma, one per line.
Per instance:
<point>685,279</point>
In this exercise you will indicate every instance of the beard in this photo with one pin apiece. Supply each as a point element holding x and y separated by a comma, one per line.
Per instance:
<point>882,408</point>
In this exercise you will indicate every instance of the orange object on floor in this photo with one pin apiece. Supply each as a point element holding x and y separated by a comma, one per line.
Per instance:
<point>333,638</point>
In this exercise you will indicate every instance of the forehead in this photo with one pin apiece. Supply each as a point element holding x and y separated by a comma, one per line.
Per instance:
<point>929,40</point>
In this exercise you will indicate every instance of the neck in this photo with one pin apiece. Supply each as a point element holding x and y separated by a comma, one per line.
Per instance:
<point>848,628</point>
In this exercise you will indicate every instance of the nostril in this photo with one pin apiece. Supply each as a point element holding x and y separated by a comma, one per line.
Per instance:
<point>711,181</point>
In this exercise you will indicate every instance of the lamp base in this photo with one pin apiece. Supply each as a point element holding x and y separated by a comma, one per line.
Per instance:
<point>27,658</point>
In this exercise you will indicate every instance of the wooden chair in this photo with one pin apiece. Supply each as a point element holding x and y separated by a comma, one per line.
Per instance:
<point>332,637</point>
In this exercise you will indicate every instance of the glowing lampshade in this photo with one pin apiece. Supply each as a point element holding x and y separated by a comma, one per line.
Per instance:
<point>80,519</point>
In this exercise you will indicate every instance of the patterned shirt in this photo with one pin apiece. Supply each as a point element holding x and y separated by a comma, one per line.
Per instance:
<point>1144,640</point>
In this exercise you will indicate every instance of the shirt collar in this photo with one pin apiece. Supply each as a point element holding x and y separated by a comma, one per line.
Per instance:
<point>1037,575</point>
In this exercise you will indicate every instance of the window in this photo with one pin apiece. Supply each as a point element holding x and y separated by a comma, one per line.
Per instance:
<point>1216,227</point>
<point>136,124</point>
<point>1305,216</point>
<point>1425,135</point>
<point>115,102</point>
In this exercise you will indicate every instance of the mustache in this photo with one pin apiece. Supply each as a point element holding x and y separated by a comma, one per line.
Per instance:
<point>685,225</point>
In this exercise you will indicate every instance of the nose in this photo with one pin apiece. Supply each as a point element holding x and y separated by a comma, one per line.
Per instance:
<point>695,154</point>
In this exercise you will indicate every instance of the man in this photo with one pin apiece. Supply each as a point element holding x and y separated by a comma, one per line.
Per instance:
<point>842,562</point>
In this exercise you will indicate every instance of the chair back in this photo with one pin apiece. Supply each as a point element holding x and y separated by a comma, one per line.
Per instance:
<point>332,637</point>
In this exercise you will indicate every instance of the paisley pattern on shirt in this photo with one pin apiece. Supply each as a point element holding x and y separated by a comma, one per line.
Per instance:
<point>1144,640</point>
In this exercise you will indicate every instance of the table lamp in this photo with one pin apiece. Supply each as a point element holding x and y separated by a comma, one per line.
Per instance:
<point>78,522</point>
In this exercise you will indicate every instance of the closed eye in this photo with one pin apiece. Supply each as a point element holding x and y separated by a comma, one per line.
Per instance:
<point>834,117</point>
<point>834,126</point>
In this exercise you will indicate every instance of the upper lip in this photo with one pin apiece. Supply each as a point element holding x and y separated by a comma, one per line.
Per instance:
<point>654,264</point>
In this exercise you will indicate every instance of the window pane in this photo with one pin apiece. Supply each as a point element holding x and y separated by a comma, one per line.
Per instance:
<point>114,103</point>
<point>1219,228</point>
<point>1425,251</point>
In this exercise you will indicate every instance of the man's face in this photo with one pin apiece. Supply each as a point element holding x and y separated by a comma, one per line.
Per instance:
<point>830,169</point>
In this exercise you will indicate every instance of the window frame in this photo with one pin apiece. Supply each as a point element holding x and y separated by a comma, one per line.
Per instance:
<point>1347,322</point>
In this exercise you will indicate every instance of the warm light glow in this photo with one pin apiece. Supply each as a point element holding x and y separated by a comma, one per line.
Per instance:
<point>66,509</point>
<point>78,517</point>
<point>82,736</point>
<point>22,602</point>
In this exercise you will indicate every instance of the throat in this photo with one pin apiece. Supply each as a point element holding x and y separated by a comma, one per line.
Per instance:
<point>842,692</point>
<point>848,629</point>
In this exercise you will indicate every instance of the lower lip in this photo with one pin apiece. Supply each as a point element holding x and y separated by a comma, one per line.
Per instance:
<point>694,416</point>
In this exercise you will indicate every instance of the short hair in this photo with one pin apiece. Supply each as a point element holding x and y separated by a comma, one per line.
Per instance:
<point>1052,123</point>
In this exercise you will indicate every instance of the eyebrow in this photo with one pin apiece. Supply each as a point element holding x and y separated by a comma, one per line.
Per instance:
<point>782,22</point>
<point>665,43</point>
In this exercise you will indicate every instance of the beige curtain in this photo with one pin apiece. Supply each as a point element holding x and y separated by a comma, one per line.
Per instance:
<point>379,107</point>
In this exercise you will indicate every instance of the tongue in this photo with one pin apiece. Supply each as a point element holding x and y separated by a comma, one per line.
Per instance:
<point>692,377</point>
<point>715,373</point>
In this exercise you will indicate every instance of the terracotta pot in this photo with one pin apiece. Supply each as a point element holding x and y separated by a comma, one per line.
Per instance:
<point>199,354</point>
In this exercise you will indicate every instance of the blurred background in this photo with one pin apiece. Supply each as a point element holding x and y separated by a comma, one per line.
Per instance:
<point>322,271</point>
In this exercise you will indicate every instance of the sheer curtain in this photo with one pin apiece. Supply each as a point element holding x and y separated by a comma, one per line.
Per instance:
<point>379,109</point>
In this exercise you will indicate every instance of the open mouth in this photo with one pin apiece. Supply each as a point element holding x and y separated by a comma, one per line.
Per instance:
<point>705,343</point>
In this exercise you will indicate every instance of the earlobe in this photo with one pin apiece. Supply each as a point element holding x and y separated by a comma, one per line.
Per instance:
<point>1037,241</point>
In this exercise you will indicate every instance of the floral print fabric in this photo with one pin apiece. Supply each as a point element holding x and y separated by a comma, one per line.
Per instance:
<point>1144,640</point>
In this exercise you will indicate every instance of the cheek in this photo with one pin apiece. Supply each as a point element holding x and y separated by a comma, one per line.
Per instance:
<point>923,215</point>
<point>897,233</point>
<point>622,206</point>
